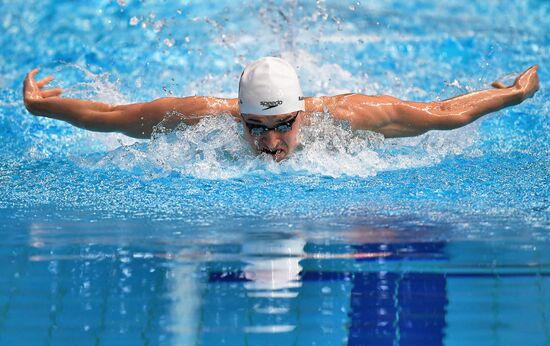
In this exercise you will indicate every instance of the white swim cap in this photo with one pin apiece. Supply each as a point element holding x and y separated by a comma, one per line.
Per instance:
<point>270,86</point>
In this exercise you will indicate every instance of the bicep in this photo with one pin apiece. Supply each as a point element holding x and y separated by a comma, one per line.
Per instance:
<point>365,112</point>
<point>393,117</point>
<point>138,120</point>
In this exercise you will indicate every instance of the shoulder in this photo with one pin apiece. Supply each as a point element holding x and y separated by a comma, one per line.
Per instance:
<point>366,112</point>
<point>345,101</point>
<point>202,105</point>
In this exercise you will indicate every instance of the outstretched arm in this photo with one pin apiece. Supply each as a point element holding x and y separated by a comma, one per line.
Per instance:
<point>135,120</point>
<point>396,118</point>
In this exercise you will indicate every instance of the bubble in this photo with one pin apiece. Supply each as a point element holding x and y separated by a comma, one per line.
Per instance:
<point>134,21</point>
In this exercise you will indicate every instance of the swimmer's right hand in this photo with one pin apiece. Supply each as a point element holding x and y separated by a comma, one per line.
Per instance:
<point>33,92</point>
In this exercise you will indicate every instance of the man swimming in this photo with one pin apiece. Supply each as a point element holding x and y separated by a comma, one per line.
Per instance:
<point>272,108</point>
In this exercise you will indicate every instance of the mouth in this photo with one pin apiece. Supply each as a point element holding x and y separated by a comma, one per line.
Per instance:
<point>276,154</point>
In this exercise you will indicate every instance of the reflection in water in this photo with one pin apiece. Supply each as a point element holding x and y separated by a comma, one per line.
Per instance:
<point>273,265</point>
<point>75,291</point>
<point>185,309</point>
<point>277,288</point>
<point>307,297</point>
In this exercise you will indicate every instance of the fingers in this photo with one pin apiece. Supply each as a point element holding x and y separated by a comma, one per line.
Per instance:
<point>44,81</point>
<point>532,69</point>
<point>29,79</point>
<point>33,72</point>
<point>51,92</point>
<point>30,75</point>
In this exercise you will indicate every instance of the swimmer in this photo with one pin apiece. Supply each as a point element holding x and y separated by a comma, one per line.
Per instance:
<point>271,107</point>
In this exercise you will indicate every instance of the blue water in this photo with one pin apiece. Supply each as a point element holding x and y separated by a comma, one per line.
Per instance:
<point>190,239</point>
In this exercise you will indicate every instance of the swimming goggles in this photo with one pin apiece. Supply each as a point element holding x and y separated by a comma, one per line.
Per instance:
<point>258,130</point>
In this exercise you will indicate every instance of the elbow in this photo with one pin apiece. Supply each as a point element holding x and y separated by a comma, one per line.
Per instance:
<point>130,124</point>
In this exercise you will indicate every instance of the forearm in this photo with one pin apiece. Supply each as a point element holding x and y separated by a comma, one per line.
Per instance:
<point>135,120</point>
<point>464,109</point>
<point>414,118</point>
<point>85,114</point>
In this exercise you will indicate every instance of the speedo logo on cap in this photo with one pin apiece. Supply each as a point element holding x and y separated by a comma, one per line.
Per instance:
<point>270,104</point>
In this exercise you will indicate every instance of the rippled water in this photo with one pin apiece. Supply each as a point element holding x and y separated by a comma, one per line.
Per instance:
<point>191,239</point>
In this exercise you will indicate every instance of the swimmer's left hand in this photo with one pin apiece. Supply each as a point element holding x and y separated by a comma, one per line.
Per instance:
<point>526,83</point>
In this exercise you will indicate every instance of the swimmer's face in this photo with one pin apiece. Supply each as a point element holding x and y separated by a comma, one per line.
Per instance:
<point>276,135</point>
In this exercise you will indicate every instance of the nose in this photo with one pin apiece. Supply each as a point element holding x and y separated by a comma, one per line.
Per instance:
<point>270,139</point>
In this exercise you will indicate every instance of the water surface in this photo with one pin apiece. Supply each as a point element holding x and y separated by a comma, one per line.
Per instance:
<point>191,239</point>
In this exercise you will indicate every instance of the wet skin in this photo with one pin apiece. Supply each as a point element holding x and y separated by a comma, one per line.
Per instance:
<point>278,145</point>
<point>386,115</point>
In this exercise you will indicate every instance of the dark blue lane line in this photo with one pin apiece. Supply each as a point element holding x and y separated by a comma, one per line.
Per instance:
<point>500,275</point>
<point>336,276</point>
<point>412,251</point>
<point>397,308</point>
<point>238,276</point>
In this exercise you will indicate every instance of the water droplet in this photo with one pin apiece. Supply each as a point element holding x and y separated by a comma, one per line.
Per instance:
<point>134,21</point>
<point>158,26</point>
<point>169,42</point>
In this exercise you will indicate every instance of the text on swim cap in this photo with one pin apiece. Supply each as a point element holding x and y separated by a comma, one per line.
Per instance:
<point>270,104</point>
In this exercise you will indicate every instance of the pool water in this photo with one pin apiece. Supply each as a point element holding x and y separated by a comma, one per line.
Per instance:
<point>191,239</point>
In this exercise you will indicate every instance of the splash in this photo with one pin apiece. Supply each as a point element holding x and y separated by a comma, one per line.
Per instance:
<point>215,148</point>
<point>52,136</point>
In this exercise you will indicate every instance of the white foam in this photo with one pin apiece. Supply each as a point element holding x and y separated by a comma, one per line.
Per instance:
<point>215,149</point>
